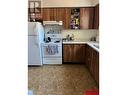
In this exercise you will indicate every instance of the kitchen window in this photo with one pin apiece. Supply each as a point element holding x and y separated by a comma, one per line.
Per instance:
<point>34,11</point>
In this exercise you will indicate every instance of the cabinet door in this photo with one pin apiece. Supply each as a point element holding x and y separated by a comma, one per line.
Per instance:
<point>83,51</point>
<point>88,56</point>
<point>74,53</point>
<point>46,14</point>
<point>67,53</point>
<point>58,14</point>
<point>92,62</point>
<point>86,18</point>
<point>67,18</point>
<point>96,17</point>
<point>79,51</point>
<point>91,65</point>
<point>96,67</point>
<point>64,14</point>
<point>49,14</point>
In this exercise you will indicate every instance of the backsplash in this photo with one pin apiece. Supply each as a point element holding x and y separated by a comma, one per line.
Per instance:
<point>85,35</point>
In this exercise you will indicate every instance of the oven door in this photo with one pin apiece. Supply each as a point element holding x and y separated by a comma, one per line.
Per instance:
<point>52,50</point>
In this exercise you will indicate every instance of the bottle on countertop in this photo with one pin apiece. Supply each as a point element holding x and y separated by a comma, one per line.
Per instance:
<point>68,37</point>
<point>72,36</point>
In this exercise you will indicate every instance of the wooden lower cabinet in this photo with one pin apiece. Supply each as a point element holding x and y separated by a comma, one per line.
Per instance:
<point>88,57</point>
<point>73,53</point>
<point>96,68</point>
<point>81,53</point>
<point>67,53</point>
<point>92,62</point>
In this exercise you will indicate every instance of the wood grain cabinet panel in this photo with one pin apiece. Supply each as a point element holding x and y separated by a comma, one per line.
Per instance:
<point>88,56</point>
<point>86,18</point>
<point>67,18</point>
<point>73,53</point>
<point>67,53</point>
<point>92,62</point>
<point>57,14</point>
<point>46,14</point>
<point>79,53</point>
<point>64,14</point>
<point>96,67</point>
<point>89,16</point>
<point>96,17</point>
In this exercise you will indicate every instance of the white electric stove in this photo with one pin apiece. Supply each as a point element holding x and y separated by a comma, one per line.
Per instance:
<point>52,47</point>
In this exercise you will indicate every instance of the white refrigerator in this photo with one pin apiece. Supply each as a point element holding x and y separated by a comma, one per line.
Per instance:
<point>35,41</point>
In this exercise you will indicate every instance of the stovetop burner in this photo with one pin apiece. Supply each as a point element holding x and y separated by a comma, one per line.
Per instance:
<point>57,41</point>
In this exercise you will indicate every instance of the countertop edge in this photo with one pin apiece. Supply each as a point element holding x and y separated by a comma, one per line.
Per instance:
<point>90,43</point>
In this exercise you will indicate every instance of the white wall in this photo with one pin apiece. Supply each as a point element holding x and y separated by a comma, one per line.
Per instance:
<point>67,3</point>
<point>95,2</point>
<point>84,35</point>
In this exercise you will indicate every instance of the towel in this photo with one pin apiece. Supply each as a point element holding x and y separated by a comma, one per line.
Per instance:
<point>52,49</point>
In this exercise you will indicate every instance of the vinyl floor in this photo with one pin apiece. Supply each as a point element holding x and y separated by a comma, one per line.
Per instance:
<point>65,79</point>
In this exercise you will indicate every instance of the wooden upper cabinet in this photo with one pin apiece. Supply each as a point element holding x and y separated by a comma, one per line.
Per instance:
<point>46,14</point>
<point>57,14</point>
<point>49,14</point>
<point>67,18</point>
<point>96,17</point>
<point>89,16</point>
<point>86,18</point>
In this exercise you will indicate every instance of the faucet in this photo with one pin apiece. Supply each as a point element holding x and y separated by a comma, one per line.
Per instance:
<point>70,38</point>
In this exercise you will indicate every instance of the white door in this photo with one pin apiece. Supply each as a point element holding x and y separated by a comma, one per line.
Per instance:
<point>34,52</point>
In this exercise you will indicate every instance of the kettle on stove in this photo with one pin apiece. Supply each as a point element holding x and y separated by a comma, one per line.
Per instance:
<point>48,39</point>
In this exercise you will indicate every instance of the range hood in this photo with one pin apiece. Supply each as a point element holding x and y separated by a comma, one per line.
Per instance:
<point>52,22</point>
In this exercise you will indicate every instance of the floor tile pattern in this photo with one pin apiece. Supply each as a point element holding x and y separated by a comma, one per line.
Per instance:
<point>68,79</point>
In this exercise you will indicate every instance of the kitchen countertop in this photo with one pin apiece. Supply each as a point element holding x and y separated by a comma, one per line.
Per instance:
<point>92,44</point>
